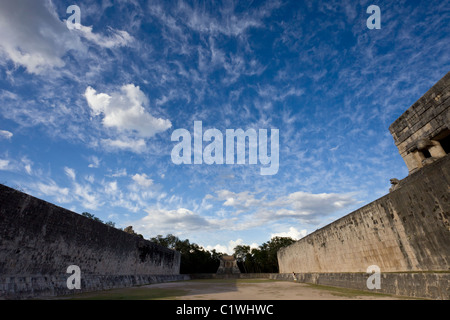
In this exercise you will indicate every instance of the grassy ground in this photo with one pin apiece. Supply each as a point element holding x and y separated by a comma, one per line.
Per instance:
<point>231,289</point>
<point>134,293</point>
<point>350,293</point>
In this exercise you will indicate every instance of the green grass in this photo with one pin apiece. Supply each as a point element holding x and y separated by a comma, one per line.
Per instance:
<point>256,280</point>
<point>140,293</point>
<point>151,293</point>
<point>352,293</point>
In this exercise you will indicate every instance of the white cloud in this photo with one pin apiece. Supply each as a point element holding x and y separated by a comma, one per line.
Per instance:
<point>70,173</point>
<point>292,233</point>
<point>111,188</point>
<point>4,164</point>
<point>303,203</point>
<point>28,168</point>
<point>242,201</point>
<point>5,134</point>
<point>142,180</point>
<point>119,173</point>
<point>294,204</point>
<point>303,206</point>
<point>176,221</point>
<point>85,195</point>
<point>136,146</point>
<point>119,38</point>
<point>224,20</point>
<point>229,247</point>
<point>33,36</point>
<point>95,162</point>
<point>125,111</point>
<point>61,195</point>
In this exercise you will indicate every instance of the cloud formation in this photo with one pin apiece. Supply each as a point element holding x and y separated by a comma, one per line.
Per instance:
<point>301,205</point>
<point>34,36</point>
<point>4,134</point>
<point>125,111</point>
<point>291,233</point>
<point>106,95</point>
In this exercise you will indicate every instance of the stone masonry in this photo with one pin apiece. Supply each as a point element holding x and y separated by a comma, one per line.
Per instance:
<point>39,241</point>
<point>407,230</point>
<point>422,133</point>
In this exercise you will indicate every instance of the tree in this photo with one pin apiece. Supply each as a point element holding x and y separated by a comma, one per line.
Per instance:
<point>91,216</point>
<point>111,224</point>
<point>242,255</point>
<point>170,241</point>
<point>194,258</point>
<point>262,259</point>
<point>271,248</point>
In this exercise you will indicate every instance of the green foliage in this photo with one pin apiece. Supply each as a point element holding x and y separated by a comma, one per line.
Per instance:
<point>262,259</point>
<point>93,217</point>
<point>111,224</point>
<point>194,259</point>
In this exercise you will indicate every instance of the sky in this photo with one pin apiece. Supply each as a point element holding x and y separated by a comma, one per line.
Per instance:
<point>89,112</point>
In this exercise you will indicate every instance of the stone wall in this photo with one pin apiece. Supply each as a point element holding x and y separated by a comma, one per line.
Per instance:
<point>420,131</point>
<point>39,240</point>
<point>427,285</point>
<point>406,230</point>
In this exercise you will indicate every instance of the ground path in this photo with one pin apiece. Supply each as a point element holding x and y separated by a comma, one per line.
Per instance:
<point>234,289</point>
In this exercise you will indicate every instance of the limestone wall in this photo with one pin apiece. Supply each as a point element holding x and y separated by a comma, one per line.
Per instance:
<point>39,240</point>
<point>424,126</point>
<point>427,285</point>
<point>406,230</point>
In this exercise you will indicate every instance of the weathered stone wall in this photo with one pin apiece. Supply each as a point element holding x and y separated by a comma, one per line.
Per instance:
<point>39,240</point>
<point>426,285</point>
<point>426,121</point>
<point>406,230</point>
<point>412,284</point>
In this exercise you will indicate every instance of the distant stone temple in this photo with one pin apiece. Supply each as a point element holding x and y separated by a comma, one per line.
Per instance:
<point>228,265</point>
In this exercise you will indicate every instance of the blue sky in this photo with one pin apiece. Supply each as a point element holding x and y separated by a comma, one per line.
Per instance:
<point>86,115</point>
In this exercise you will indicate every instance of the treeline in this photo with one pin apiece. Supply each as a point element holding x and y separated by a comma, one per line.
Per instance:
<point>93,217</point>
<point>262,259</point>
<point>196,259</point>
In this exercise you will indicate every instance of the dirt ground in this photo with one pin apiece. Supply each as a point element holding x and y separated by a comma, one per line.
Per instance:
<point>254,289</point>
<point>263,290</point>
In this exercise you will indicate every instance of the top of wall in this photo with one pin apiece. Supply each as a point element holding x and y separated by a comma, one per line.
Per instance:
<point>426,118</point>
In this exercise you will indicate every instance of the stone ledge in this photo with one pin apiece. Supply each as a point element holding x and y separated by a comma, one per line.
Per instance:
<point>38,286</point>
<point>426,285</point>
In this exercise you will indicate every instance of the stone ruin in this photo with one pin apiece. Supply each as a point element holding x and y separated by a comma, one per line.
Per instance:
<point>228,265</point>
<point>422,133</point>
